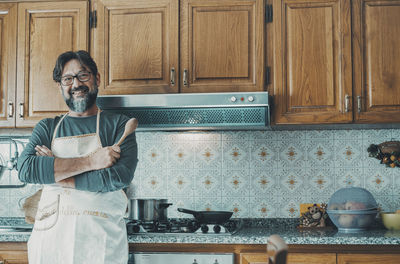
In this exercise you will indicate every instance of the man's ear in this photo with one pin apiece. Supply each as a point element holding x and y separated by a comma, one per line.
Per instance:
<point>98,79</point>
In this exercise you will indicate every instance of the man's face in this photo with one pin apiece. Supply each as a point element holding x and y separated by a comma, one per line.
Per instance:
<point>81,94</point>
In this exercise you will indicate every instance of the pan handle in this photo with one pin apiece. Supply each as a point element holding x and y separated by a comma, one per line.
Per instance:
<point>164,205</point>
<point>187,211</point>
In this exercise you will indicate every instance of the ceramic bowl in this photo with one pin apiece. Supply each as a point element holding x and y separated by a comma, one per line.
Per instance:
<point>391,220</point>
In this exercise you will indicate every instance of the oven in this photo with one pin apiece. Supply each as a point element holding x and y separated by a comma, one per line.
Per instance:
<point>180,258</point>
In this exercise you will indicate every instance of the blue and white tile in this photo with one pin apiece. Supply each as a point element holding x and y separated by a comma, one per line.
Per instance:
<point>154,154</point>
<point>395,203</point>
<point>349,177</point>
<point>236,155</point>
<point>321,181</point>
<point>194,136</point>
<point>385,203</point>
<point>241,136</point>
<point>376,136</point>
<point>235,183</point>
<point>347,134</point>
<point>238,205</point>
<point>293,180</point>
<point>395,134</point>
<point>380,181</point>
<point>348,153</point>
<point>181,155</point>
<point>208,183</point>
<point>291,135</point>
<point>208,155</point>
<point>153,183</point>
<point>263,207</point>
<point>292,153</point>
<point>264,135</point>
<point>264,182</point>
<point>209,204</point>
<point>180,202</point>
<point>289,206</point>
<point>320,135</point>
<point>264,154</point>
<point>396,181</point>
<point>4,204</point>
<point>14,209</point>
<point>181,183</point>
<point>320,153</point>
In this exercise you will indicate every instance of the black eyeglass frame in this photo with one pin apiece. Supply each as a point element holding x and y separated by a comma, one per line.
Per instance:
<point>76,76</point>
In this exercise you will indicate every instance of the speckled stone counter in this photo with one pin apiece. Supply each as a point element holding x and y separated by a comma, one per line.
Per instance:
<point>253,232</point>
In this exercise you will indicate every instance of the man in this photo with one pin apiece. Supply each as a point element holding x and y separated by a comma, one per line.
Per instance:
<point>80,213</point>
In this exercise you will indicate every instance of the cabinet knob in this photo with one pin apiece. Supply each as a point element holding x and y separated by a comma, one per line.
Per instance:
<point>10,111</point>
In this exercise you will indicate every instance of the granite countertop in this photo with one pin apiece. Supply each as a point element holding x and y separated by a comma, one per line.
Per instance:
<point>253,232</point>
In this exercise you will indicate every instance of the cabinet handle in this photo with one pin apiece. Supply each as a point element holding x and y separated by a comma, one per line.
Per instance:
<point>185,77</point>
<point>21,110</point>
<point>10,111</point>
<point>172,76</point>
<point>359,103</point>
<point>346,103</point>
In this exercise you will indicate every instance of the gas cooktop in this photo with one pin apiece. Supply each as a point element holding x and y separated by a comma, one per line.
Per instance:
<point>182,226</point>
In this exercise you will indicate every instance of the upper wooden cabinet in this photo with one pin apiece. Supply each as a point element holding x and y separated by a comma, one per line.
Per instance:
<point>45,30</point>
<point>172,46</point>
<point>376,60</point>
<point>312,66</point>
<point>324,73</point>
<point>42,31</point>
<point>8,61</point>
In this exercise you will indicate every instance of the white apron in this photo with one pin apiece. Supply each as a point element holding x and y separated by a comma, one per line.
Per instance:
<point>78,227</point>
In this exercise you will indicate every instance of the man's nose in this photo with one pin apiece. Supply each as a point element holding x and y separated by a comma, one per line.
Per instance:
<point>76,82</point>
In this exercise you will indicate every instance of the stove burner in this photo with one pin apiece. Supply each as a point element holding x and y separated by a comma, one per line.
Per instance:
<point>181,225</point>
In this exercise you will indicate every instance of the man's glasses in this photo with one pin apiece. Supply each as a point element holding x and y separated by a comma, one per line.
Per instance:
<point>67,80</point>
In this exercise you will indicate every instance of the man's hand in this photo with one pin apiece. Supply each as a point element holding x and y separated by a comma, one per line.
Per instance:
<point>104,157</point>
<point>43,151</point>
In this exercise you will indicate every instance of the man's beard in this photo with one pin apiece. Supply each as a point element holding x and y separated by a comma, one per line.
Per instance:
<point>81,104</point>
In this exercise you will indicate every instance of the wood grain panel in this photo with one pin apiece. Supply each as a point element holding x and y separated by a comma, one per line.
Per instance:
<point>368,258</point>
<point>222,45</point>
<point>312,62</point>
<point>311,258</point>
<point>376,60</point>
<point>136,46</point>
<point>46,29</point>
<point>8,47</point>
<point>253,258</point>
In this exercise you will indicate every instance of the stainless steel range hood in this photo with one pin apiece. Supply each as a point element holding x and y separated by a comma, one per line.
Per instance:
<point>193,111</point>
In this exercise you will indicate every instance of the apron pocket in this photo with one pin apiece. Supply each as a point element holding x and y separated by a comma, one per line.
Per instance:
<point>47,215</point>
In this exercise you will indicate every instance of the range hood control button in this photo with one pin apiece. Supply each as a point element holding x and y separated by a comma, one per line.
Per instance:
<point>233,99</point>
<point>251,98</point>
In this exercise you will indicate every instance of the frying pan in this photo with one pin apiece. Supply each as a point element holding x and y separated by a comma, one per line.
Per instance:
<point>208,217</point>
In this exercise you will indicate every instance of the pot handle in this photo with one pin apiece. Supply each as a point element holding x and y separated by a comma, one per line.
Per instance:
<point>187,211</point>
<point>164,205</point>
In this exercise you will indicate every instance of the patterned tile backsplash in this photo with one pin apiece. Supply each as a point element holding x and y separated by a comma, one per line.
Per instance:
<point>256,174</point>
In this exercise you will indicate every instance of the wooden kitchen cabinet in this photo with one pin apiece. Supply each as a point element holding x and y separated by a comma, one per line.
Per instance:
<point>312,65</point>
<point>172,46</point>
<point>368,258</point>
<point>311,258</point>
<point>376,60</point>
<point>253,258</point>
<point>41,31</point>
<point>14,257</point>
<point>45,29</point>
<point>336,61</point>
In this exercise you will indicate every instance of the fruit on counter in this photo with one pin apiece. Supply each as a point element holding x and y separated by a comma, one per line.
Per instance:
<point>351,205</point>
<point>336,206</point>
<point>346,220</point>
<point>398,212</point>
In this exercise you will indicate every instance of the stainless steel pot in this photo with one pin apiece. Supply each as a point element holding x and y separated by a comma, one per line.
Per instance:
<point>148,209</point>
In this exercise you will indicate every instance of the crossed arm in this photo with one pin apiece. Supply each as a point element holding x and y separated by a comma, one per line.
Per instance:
<point>66,168</point>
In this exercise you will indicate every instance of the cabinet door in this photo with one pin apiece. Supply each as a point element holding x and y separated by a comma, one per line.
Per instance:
<point>222,45</point>
<point>376,58</point>
<point>368,258</point>
<point>45,30</point>
<point>8,48</point>
<point>136,46</point>
<point>312,63</point>
<point>253,258</point>
<point>311,258</point>
<point>14,257</point>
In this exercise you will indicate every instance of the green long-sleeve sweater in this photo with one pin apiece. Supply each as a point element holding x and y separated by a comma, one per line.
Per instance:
<point>40,169</point>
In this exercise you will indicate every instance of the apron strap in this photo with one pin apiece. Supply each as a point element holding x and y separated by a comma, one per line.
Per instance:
<point>57,126</point>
